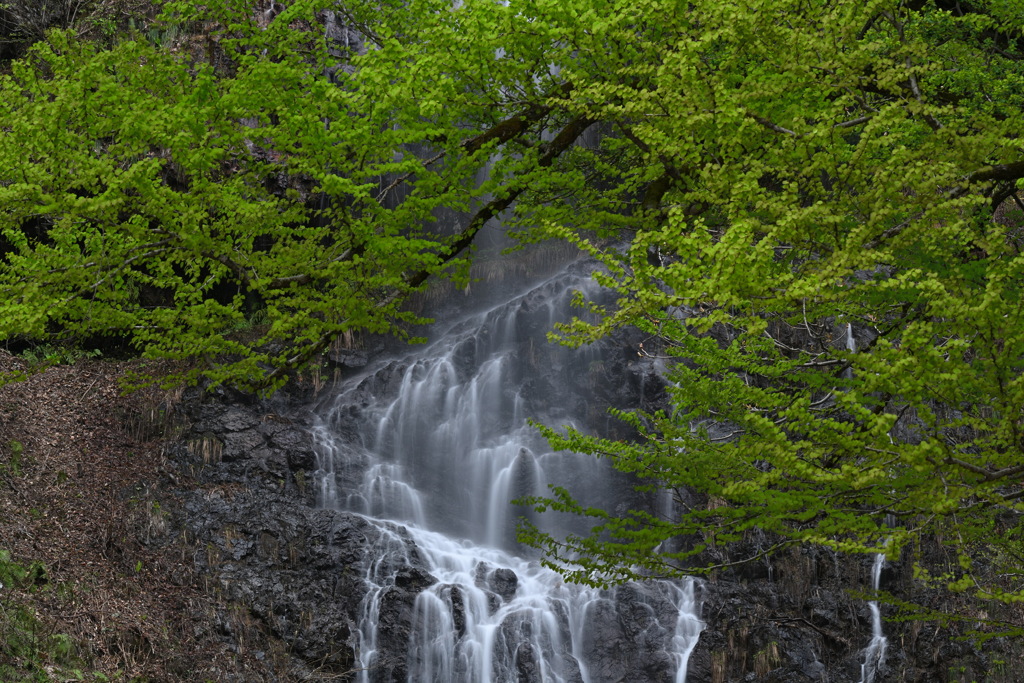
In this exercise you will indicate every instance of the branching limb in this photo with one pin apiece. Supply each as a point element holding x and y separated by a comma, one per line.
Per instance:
<point>566,137</point>
<point>773,127</point>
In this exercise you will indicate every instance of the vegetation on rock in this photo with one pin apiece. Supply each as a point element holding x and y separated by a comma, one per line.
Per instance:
<point>829,254</point>
<point>98,577</point>
<point>785,176</point>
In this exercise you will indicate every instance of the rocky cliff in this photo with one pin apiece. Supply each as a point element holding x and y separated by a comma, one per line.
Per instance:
<point>294,574</point>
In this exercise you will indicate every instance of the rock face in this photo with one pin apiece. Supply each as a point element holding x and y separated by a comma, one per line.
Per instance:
<point>291,575</point>
<point>624,643</point>
<point>294,579</point>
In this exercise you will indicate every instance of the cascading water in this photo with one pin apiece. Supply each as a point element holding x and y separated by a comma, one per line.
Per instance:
<point>874,655</point>
<point>439,442</point>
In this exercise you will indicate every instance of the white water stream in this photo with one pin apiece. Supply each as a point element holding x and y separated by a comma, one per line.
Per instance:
<point>874,654</point>
<point>442,445</point>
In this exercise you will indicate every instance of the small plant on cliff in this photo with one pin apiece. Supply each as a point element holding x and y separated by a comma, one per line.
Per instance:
<point>16,451</point>
<point>28,650</point>
<point>46,355</point>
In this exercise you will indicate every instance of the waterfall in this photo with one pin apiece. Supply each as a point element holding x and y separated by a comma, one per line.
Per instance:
<point>874,655</point>
<point>851,346</point>
<point>434,446</point>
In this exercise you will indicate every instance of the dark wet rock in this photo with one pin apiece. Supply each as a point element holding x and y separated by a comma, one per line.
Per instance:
<point>602,646</point>
<point>500,585</point>
<point>504,582</point>
<point>296,576</point>
<point>527,668</point>
<point>349,358</point>
<point>394,627</point>
<point>493,602</point>
<point>630,636</point>
<point>237,419</point>
<point>413,579</point>
<point>458,603</point>
<point>239,445</point>
<point>284,571</point>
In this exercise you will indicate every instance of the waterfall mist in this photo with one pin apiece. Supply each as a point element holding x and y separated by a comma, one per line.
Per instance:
<point>435,445</point>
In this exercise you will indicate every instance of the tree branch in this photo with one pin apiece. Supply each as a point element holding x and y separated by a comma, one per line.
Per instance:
<point>1011,171</point>
<point>773,127</point>
<point>565,138</point>
<point>852,122</point>
<point>989,475</point>
<point>503,131</point>
<point>562,141</point>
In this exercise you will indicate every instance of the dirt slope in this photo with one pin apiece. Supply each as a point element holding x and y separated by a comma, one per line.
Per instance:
<point>96,584</point>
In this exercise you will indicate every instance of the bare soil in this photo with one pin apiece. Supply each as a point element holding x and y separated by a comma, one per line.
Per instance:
<point>84,494</point>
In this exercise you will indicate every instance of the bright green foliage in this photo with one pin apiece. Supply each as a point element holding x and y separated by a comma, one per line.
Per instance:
<point>799,167</point>
<point>792,167</point>
<point>146,195</point>
<point>135,200</point>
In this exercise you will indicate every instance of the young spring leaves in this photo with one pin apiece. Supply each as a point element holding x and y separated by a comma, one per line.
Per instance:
<point>789,170</point>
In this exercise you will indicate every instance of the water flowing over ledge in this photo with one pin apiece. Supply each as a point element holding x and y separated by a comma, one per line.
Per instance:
<point>439,442</point>
<point>874,654</point>
<point>319,590</point>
